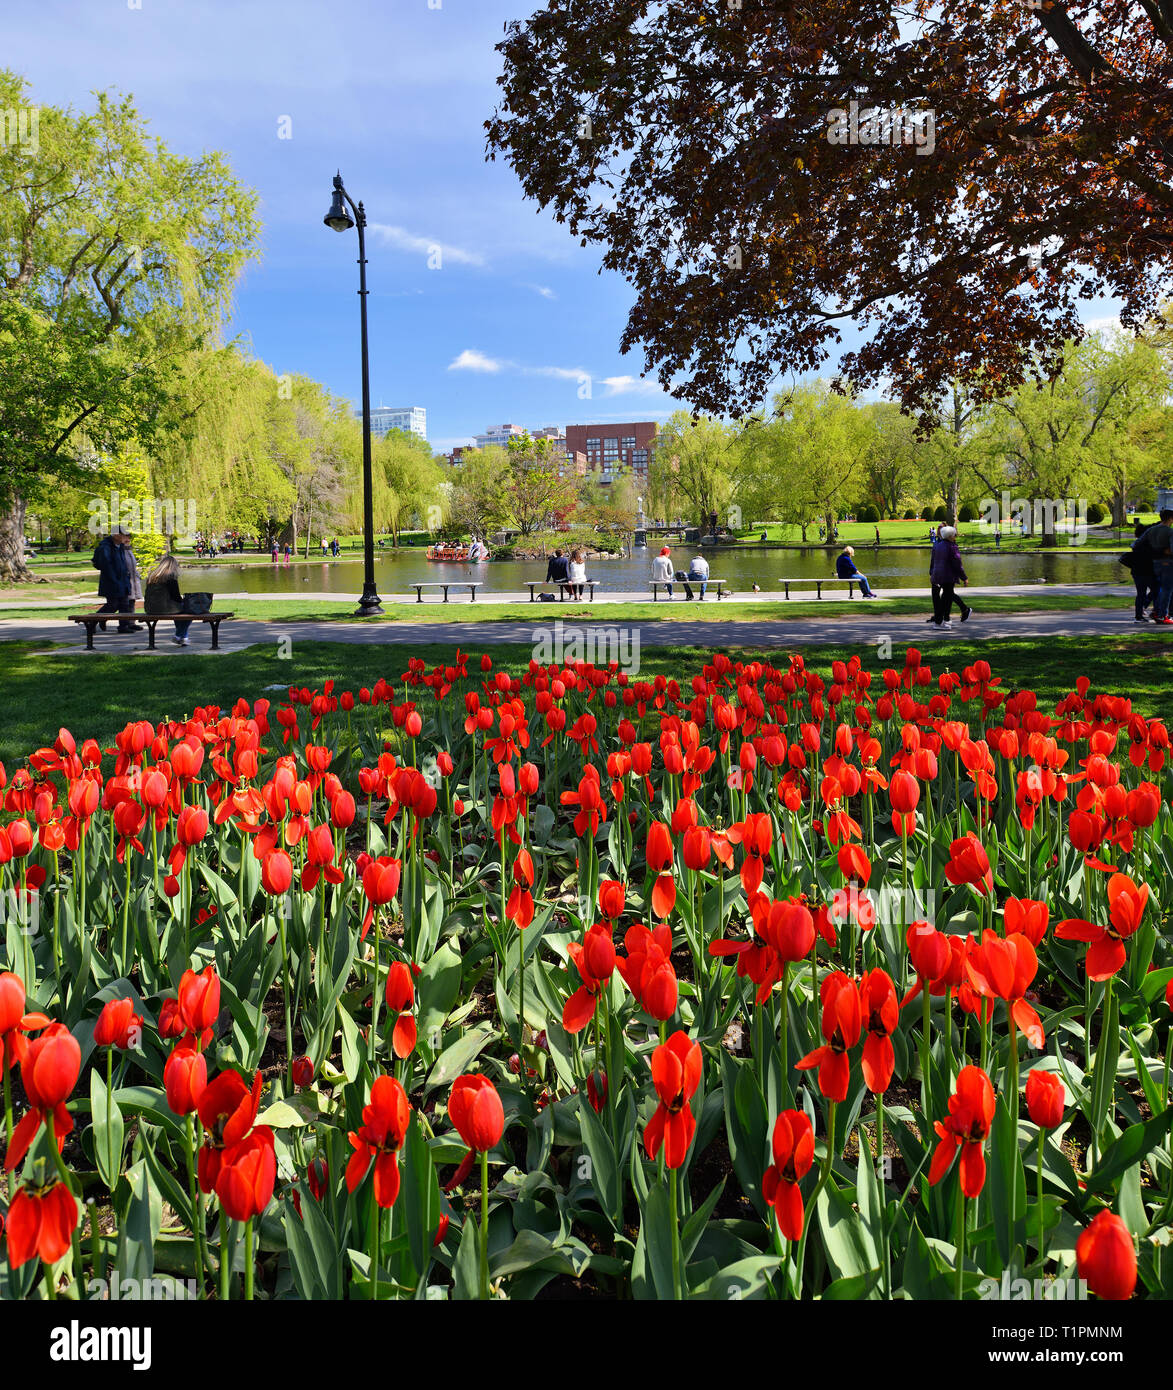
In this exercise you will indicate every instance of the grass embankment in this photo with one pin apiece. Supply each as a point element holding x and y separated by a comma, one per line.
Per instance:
<point>96,694</point>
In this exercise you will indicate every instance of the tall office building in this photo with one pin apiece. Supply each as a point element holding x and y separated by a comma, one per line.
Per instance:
<point>413,419</point>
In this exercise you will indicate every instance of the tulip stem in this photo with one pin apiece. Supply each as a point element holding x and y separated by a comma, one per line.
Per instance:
<point>677,1291</point>
<point>784,1040</point>
<point>6,1068</point>
<point>1042,1216</point>
<point>196,1205</point>
<point>926,1016</point>
<point>109,1126</point>
<point>960,1256</point>
<point>285,996</point>
<point>800,1260</point>
<point>375,1214</point>
<point>249,1260</point>
<point>484,1224</point>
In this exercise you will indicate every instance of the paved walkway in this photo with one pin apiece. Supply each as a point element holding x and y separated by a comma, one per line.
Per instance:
<point>866,626</point>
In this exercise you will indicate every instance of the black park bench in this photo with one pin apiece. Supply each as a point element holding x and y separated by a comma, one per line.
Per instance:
<point>92,621</point>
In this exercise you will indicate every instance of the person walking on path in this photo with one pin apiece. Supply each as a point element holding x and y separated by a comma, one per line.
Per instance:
<point>945,572</point>
<point>163,595</point>
<point>1158,540</point>
<point>662,569</point>
<point>846,568</point>
<point>117,572</point>
<point>1140,561</point>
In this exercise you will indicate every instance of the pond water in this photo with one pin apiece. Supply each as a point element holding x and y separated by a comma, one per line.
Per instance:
<point>741,568</point>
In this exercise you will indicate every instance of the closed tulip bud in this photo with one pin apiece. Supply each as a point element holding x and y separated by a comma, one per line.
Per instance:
<point>1045,1098</point>
<point>303,1072</point>
<point>276,872</point>
<point>474,1107</point>
<point>697,847</point>
<point>199,999</point>
<point>1106,1258</point>
<point>154,789</point>
<point>904,792</point>
<point>413,725</point>
<point>118,1025</point>
<point>12,1002</point>
<point>342,810</point>
<point>185,1078</point>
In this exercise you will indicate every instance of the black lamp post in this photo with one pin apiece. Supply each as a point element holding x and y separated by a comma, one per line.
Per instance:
<point>341,221</point>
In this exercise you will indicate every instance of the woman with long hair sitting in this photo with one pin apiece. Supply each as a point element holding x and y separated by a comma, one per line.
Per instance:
<point>163,596</point>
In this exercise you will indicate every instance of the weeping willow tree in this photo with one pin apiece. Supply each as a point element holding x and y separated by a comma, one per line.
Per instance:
<point>117,259</point>
<point>406,484</point>
<point>220,454</point>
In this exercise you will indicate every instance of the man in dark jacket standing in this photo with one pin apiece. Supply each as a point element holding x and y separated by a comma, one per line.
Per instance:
<point>115,569</point>
<point>946,571</point>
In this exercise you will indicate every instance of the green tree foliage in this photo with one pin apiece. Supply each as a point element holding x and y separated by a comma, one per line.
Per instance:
<point>116,258</point>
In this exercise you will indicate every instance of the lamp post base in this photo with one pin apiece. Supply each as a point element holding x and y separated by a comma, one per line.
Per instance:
<point>370,605</point>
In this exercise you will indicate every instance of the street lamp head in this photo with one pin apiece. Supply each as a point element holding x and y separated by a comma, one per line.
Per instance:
<point>338,217</point>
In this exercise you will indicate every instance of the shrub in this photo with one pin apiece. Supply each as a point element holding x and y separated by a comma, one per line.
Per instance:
<point>941,513</point>
<point>1095,513</point>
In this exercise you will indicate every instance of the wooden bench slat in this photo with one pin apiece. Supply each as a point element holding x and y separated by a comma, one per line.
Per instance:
<point>152,620</point>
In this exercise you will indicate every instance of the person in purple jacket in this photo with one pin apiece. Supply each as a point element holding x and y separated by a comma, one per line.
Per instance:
<point>946,571</point>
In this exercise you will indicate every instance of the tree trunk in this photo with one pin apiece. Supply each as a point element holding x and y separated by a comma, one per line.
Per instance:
<point>13,569</point>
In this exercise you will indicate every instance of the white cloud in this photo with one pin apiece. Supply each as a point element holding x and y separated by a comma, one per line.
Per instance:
<point>470,360</point>
<point>404,240</point>
<point>632,386</point>
<point>544,290</point>
<point>559,373</point>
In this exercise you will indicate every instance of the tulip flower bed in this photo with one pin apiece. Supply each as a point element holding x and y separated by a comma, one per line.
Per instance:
<point>758,983</point>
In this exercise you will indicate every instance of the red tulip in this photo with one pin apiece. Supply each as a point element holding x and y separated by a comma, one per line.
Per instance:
<point>400,996</point>
<point>966,1127</point>
<point>881,1016</point>
<point>302,1072</point>
<point>227,1110</point>
<point>612,898</point>
<point>676,1074</point>
<point>793,1145</point>
<point>380,883</point>
<point>378,1141</point>
<point>49,1073</point>
<point>1027,916</point>
<point>199,1000</point>
<point>1106,953</point>
<point>118,1024</point>
<point>474,1107</point>
<point>185,1078</point>
<point>842,1023</point>
<point>276,872</point>
<point>969,863</point>
<point>595,960</point>
<point>1045,1098</point>
<point>248,1172</point>
<point>40,1224</point>
<point>1106,1258</point>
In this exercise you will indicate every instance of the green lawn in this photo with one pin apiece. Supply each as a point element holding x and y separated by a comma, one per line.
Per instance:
<point>678,610</point>
<point>95,695</point>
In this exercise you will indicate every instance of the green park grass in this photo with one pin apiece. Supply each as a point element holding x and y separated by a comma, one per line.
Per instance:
<point>96,694</point>
<point>728,610</point>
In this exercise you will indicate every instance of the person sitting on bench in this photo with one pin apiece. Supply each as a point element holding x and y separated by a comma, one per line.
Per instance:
<point>662,569</point>
<point>846,568</point>
<point>163,596</point>
<point>558,569</point>
<point>698,569</point>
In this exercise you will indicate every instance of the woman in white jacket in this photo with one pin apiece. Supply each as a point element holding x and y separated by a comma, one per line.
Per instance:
<point>662,569</point>
<point>576,576</point>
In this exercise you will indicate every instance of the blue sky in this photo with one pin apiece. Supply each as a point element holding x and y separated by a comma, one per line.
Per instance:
<point>395,94</point>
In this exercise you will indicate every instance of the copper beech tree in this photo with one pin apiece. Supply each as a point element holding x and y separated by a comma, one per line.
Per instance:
<point>949,178</point>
